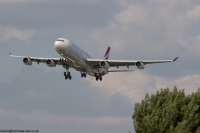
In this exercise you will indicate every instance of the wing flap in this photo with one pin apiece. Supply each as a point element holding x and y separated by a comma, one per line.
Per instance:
<point>120,70</point>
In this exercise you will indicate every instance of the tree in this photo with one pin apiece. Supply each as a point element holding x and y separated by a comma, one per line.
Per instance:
<point>168,112</point>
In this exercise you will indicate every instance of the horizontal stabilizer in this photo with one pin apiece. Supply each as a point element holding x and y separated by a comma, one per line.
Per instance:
<point>120,70</point>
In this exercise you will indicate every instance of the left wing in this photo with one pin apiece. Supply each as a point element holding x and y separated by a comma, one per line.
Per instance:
<point>116,63</point>
<point>57,61</point>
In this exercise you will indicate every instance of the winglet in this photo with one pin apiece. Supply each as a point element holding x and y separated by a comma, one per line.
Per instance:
<point>175,59</point>
<point>10,53</point>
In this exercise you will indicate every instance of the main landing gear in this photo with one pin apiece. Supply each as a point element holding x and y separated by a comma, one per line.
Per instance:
<point>67,75</point>
<point>83,74</point>
<point>98,77</point>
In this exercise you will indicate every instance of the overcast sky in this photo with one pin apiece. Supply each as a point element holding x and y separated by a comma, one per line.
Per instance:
<point>38,97</point>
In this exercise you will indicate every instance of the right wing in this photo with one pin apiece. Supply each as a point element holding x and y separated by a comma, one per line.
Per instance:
<point>57,61</point>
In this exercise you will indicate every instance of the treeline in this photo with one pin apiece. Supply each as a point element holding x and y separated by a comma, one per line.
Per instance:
<point>168,112</point>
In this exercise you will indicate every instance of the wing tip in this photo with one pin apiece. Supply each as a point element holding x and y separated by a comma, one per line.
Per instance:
<point>10,53</point>
<point>175,59</point>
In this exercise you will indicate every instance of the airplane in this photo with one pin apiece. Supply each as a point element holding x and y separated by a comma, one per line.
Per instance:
<point>72,56</point>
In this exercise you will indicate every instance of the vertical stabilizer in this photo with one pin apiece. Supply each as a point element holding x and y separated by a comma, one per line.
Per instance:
<point>106,56</point>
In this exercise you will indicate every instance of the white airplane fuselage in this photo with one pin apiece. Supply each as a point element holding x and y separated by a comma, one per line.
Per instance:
<point>76,56</point>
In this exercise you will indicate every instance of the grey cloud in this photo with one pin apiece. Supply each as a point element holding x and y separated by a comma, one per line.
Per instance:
<point>149,31</point>
<point>56,14</point>
<point>120,105</point>
<point>37,89</point>
<point>159,34</point>
<point>7,34</point>
<point>50,20</point>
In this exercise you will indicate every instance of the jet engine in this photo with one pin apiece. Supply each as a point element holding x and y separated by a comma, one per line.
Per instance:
<point>104,64</point>
<point>50,63</point>
<point>27,61</point>
<point>140,65</point>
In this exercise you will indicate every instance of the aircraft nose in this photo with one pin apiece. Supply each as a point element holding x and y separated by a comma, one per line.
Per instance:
<point>58,45</point>
<point>61,45</point>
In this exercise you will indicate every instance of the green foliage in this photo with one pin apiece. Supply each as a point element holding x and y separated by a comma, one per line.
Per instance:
<point>168,112</point>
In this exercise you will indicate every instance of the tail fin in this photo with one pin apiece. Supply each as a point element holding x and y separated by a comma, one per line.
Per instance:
<point>106,56</point>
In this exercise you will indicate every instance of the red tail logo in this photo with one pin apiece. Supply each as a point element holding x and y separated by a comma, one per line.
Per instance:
<point>106,56</point>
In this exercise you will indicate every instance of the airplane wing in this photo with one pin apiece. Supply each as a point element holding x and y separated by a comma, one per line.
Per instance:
<point>116,63</point>
<point>57,61</point>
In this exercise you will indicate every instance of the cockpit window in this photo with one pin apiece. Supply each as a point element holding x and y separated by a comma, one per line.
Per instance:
<point>60,40</point>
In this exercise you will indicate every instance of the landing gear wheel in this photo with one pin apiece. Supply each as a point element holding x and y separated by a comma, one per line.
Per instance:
<point>97,78</point>
<point>83,74</point>
<point>67,74</point>
<point>100,78</point>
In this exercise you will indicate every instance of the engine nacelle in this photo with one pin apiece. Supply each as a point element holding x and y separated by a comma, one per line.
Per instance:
<point>50,63</point>
<point>104,64</point>
<point>140,65</point>
<point>27,61</point>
